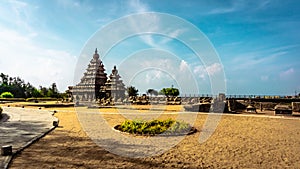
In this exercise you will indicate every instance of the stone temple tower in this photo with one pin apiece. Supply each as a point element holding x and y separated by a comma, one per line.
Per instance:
<point>114,87</point>
<point>87,89</point>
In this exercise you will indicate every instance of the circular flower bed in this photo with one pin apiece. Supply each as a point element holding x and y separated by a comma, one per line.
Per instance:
<point>154,127</point>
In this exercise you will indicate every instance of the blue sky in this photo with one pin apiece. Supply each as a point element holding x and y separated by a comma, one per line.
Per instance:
<point>257,41</point>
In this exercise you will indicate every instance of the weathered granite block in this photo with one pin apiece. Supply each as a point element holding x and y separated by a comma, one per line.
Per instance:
<point>296,106</point>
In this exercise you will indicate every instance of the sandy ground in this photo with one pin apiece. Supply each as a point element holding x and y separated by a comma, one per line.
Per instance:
<point>238,142</point>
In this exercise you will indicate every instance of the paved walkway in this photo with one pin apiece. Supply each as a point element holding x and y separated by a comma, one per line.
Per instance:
<point>22,126</point>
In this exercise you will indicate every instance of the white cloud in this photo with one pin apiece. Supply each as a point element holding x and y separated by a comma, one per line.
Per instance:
<point>238,5</point>
<point>156,70</point>
<point>235,6</point>
<point>210,70</point>
<point>149,40</point>
<point>214,69</point>
<point>154,24</point>
<point>74,4</point>
<point>183,66</point>
<point>116,9</point>
<point>287,73</point>
<point>173,34</point>
<point>264,78</point>
<point>18,14</point>
<point>200,72</point>
<point>157,62</point>
<point>246,60</point>
<point>232,44</point>
<point>153,75</point>
<point>138,6</point>
<point>19,56</point>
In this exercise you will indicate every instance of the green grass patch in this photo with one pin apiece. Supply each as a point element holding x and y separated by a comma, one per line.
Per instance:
<point>154,127</point>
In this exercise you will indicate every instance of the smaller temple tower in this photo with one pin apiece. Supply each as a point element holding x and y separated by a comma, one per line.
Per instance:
<point>114,87</point>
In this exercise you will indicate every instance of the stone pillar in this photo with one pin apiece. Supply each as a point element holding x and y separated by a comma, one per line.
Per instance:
<point>229,105</point>
<point>6,150</point>
<point>260,106</point>
<point>55,123</point>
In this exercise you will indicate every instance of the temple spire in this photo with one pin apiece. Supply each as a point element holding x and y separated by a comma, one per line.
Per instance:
<point>96,55</point>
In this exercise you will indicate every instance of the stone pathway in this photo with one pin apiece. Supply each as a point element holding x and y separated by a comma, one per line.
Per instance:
<point>22,126</point>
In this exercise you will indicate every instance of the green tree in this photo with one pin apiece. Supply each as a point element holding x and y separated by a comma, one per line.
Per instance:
<point>36,93</point>
<point>132,91</point>
<point>169,91</point>
<point>20,89</point>
<point>44,91</point>
<point>4,79</point>
<point>49,93</point>
<point>54,91</point>
<point>15,85</point>
<point>6,95</point>
<point>152,92</point>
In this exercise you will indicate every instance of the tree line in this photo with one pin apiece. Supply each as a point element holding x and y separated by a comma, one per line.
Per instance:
<point>18,88</point>
<point>168,92</point>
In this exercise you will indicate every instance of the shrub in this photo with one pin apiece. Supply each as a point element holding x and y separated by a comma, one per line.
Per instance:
<point>180,127</point>
<point>153,127</point>
<point>6,95</point>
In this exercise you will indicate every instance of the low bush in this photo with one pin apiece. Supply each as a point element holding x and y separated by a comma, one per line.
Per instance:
<point>6,95</point>
<point>154,127</point>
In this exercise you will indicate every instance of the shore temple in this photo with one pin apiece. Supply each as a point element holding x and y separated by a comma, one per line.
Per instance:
<point>94,85</point>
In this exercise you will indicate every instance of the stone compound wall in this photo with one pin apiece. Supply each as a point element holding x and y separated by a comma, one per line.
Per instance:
<point>268,105</point>
<point>296,106</point>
